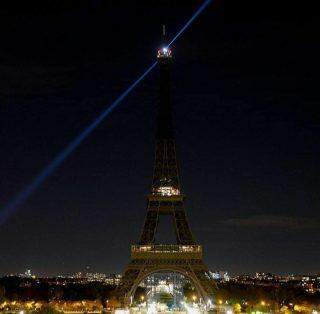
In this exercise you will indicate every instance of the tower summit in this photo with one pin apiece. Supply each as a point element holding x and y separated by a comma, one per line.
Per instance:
<point>165,199</point>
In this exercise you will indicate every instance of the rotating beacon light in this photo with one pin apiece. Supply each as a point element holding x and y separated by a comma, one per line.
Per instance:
<point>164,52</point>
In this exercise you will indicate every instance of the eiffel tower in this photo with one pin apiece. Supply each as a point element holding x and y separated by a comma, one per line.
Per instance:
<point>166,198</point>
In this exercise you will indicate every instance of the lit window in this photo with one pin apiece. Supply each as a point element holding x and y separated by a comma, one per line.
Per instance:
<point>167,191</point>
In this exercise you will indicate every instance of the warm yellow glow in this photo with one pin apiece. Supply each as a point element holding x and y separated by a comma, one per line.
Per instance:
<point>167,191</point>
<point>303,308</point>
<point>167,248</point>
<point>37,305</point>
<point>263,303</point>
<point>220,301</point>
<point>189,248</point>
<point>194,297</point>
<point>29,304</point>
<point>237,308</point>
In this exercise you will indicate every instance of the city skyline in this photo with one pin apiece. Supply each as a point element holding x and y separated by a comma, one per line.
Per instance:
<point>245,106</point>
<point>28,272</point>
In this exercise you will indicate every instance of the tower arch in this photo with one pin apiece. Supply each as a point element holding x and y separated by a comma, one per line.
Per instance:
<point>170,269</point>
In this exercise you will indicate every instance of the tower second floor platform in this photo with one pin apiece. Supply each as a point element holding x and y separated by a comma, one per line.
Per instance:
<point>166,251</point>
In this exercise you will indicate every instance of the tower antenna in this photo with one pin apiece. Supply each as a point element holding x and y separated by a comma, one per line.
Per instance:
<point>164,31</point>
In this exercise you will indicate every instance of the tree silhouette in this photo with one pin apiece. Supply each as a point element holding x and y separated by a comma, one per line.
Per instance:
<point>2,293</point>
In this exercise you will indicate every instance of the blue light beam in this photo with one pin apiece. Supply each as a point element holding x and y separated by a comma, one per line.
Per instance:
<point>193,17</point>
<point>24,194</point>
<point>56,162</point>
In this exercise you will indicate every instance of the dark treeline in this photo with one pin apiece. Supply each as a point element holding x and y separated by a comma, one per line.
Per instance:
<point>24,289</point>
<point>278,295</point>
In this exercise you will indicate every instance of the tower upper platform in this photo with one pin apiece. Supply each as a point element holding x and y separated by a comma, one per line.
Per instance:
<point>164,52</point>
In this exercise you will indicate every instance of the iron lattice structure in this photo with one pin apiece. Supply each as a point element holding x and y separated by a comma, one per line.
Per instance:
<point>166,198</point>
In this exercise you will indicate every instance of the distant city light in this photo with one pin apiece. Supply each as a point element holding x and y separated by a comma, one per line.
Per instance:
<point>166,285</point>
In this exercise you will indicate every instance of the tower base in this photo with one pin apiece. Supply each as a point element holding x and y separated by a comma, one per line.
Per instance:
<point>143,264</point>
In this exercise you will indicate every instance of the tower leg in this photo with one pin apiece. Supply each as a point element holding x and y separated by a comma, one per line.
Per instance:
<point>125,286</point>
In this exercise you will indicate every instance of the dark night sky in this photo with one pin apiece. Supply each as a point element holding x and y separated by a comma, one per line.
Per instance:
<point>246,97</point>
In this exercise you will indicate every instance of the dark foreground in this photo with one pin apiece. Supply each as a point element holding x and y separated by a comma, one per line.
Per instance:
<point>50,294</point>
